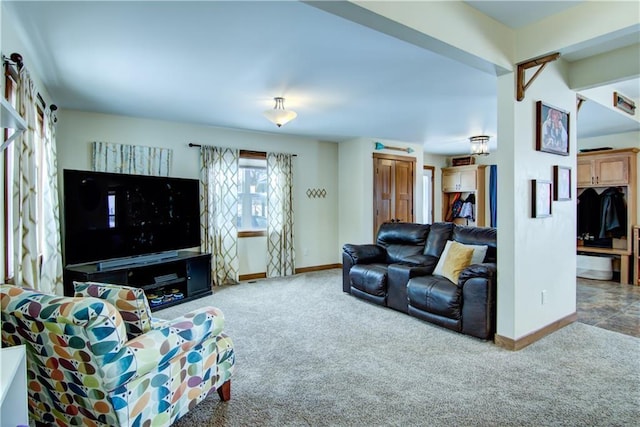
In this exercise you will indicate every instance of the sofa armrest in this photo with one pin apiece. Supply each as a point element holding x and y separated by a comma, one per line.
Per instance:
<point>485,270</point>
<point>398,277</point>
<point>365,254</point>
<point>478,283</point>
<point>157,347</point>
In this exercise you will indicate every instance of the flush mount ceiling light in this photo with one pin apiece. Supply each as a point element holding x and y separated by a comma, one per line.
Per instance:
<point>279,116</point>
<point>479,145</point>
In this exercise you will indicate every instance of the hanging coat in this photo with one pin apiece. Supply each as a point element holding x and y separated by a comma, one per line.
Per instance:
<point>589,213</point>
<point>613,213</point>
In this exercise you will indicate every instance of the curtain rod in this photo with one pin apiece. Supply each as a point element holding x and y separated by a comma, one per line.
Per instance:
<point>16,59</point>
<point>191,144</point>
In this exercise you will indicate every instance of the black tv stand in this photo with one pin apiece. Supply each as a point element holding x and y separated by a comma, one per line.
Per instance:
<point>173,280</point>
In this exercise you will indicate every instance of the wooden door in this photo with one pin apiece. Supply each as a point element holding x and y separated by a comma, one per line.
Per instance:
<point>384,181</point>
<point>393,186</point>
<point>403,191</point>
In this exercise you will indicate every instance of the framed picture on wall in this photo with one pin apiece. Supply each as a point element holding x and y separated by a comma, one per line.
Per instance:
<point>540,198</point>
<point>561,183</point>
<point>552,129</point>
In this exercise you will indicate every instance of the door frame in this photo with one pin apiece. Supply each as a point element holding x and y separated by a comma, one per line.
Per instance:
<point>433,187</point>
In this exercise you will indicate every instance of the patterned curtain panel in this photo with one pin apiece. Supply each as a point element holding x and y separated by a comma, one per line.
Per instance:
<point>25,184</point>
<point>281,254</point>
<point>51,269</point>
<point>131,159</point>
<point>219,210</point>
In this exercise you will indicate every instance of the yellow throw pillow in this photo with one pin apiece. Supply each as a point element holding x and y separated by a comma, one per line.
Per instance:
<point>457,259</point>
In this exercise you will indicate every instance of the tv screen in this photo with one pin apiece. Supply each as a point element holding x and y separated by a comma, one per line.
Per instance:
<point>111,215</point>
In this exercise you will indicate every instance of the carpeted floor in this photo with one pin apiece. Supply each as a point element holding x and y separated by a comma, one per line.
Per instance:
<point>309,355</point>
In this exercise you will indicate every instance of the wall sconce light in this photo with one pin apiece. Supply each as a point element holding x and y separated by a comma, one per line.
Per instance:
<point>279,116</point>
<point>479,145</point>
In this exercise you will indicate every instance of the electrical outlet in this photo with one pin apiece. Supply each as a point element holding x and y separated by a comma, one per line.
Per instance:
<point>543,297</point>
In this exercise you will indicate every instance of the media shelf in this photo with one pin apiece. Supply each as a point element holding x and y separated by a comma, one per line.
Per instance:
<point>166,282</point>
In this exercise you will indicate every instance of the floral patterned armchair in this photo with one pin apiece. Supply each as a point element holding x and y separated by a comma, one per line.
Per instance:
<point>88,366</point>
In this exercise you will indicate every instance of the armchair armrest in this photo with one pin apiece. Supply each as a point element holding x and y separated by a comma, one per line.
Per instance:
<point>157,347</point>
<point>365,254</point>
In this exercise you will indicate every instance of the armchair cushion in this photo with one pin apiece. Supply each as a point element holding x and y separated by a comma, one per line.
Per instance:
<point>131,302</point>
<point>370,278</point>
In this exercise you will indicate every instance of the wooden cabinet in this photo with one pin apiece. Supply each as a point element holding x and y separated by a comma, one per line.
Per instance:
<point>466,181</point>
<point>460,178</point>
<point>393,185</point>
<point>603,169</point>
<point>600,170</point>
<point>188,275</point>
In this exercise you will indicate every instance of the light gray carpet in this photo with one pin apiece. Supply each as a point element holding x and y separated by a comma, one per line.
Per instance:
<point>308,354</point>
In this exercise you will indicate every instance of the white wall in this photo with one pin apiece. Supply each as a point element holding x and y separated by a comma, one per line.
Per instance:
<point>356,187</point>
<point>536,254</point>
<point>316,166</point>
<point>4,249</point>
<point>11,42</point>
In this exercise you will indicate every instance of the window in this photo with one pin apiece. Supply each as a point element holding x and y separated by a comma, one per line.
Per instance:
<point>252,194</point>
<point>11,92</point>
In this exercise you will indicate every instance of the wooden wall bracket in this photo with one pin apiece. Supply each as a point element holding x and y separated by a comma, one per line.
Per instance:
<point>541,61</point>
<point>579,100</point>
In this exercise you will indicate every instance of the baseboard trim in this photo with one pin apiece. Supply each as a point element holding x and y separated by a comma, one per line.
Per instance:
<point>256,276</point>
<point>253,276</point>
<point>317,268</point>
<point>520,343</point>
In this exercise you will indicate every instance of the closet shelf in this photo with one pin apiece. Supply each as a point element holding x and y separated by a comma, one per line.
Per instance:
<point>609,251</point>
<point>10,120</point>
<point>10,117</point>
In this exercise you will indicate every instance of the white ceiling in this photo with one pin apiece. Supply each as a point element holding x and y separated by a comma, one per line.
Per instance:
<point>221,64</point>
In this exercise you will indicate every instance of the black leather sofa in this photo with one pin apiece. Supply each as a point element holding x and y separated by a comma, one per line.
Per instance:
<point>396,272</point>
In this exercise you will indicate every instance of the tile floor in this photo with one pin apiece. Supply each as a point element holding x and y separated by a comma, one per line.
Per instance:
<point>609,305</point>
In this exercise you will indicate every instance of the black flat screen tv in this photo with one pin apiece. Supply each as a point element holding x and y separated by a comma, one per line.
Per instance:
<point>111,215</point>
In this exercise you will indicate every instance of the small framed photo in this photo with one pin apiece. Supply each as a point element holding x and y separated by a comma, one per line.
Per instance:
<point>561,183</point>
<point>552,129</point>
<point>540,198</point>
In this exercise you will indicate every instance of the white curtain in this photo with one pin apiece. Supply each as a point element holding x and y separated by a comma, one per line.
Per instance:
<point>280,243</point>
<point>25,190</point>
<point>37,255</point>
<point>219,211</point>
<point>131,159</point>
<point>51,269</point>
